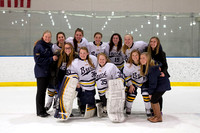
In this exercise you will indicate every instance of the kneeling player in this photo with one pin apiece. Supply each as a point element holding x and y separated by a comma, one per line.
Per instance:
<point>105,71</point>
<point>133,81</point>
<point>84,68</point>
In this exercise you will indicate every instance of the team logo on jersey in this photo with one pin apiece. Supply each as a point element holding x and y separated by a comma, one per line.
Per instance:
<point>135,75</point>
<point>102,75</point>
<point>93,53</point>
<point>115,54</point>
<point>85,71</point>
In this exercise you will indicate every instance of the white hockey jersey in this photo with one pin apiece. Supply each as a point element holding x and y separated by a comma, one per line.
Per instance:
<point>104,74</point>
<point>96,49</point>
<point>116,57</point>
<point>139,45</point>
<point>132,75</point>
<point>55,48</point>
<point>85,73</point>
<point>83,43</point>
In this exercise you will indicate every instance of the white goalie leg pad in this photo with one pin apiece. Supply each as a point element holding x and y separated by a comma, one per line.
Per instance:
<point>89,111</point>
<point>67,98</point>
<point>99,110</point>
<point>115,100</point>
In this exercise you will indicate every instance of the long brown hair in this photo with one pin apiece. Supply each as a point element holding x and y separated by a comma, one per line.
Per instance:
<point>75,41</point>
<point>59,34</point>
<point>130,60</point>
<point>125,47</point>
<point>88,58</point>
<point>119,46</point>
<point>150,62</point>
<point>63,55</point>
<point>157,47</point>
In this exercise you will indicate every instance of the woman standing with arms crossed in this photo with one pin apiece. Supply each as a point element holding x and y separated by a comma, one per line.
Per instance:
<point>43,56</point>
<point>156,84</point>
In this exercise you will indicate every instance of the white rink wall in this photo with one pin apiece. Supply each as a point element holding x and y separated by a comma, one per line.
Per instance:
<point>21,69</point>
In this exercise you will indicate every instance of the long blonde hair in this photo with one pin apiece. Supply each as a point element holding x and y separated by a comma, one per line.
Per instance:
<point>157,47</point>
<point>47,31</point>
<point>130,60</point>
<point>125,47</point>
<point>150,62</point>
<point>63,55</point>
<point>88,58</point>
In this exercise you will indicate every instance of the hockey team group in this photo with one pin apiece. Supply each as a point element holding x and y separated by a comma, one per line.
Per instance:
<point>73,68</point>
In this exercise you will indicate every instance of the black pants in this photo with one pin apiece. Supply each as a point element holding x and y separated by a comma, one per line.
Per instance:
<point>42,84</point>
<point>157,97</point>
<point>86,97</point>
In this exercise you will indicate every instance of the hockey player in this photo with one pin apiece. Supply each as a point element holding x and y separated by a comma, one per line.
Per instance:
<point>78,40</point>
<point>114,50</point>
<point>97,46</point>
<point>133,81</point>
<point>157,84</point>
<point>83,68</point>
<point>105,71</point>
<point>65,60</point>
<point>129,46</point>
<point>67,55</point>
<point>52,92</point>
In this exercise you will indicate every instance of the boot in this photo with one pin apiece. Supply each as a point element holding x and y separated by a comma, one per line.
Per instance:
<point>153,116</point>
<point>157,113</point>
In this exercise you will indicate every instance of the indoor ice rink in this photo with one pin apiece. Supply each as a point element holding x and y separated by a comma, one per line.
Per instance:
<point>176,23</point>
<point>180,115</point>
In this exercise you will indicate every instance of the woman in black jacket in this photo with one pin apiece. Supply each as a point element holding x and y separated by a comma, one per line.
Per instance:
<point>43,56</point>
<point>157,54</point>
<point>155,50</point>
<point>156,84</point>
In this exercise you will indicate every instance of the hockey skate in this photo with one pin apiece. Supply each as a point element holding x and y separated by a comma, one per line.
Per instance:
<point>115,100</point>
<point>89,111</point>
<point>67,96</point>
<point>101,111</point>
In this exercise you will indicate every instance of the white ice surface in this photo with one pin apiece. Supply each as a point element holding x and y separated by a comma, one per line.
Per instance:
<point>181,114</point>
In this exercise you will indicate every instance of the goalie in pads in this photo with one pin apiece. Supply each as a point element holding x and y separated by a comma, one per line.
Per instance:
<point>67,94</point>
<point>83,69</point>
<point>112,99</point>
